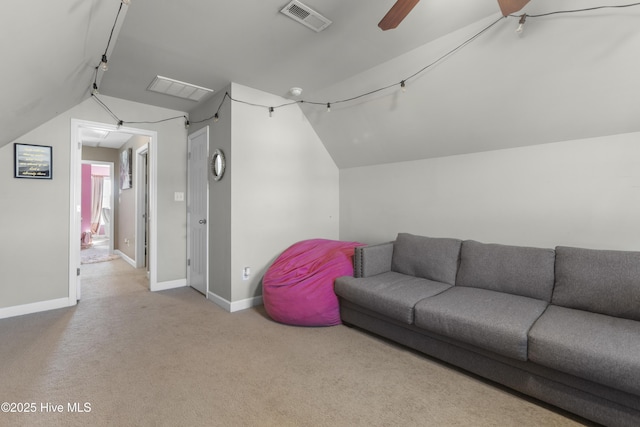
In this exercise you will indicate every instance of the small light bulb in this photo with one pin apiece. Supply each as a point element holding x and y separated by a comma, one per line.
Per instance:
<point>126,2</point>
<point>95,88</point>
<point>270,111</point>
<point>103,64</point>
<point>215,117</point>
<point>328,107</point>
<point>520,28</point>
<point>403,86</point>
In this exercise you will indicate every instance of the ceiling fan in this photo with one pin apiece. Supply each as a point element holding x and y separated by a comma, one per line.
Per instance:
<point>402,8</point>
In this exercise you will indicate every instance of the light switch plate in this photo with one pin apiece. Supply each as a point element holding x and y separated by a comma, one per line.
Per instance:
<point>178,196</point>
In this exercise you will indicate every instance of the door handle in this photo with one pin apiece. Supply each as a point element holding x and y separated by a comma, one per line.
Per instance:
<point>202,221</point>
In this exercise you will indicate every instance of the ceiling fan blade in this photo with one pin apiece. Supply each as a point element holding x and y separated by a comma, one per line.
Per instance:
<point>396,14</point>
<point>510,6</point>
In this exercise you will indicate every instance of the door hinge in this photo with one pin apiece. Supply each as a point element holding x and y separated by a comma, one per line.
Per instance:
<point>188,263</point>
<point>77,271</point>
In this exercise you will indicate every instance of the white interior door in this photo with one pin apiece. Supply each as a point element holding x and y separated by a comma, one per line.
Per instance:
<point>198,210</point>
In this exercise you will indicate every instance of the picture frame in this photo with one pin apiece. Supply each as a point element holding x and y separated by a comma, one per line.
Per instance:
<point>33,161</point>
<point>125,169</point>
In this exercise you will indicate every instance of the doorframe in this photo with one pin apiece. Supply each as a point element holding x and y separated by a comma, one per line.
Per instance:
<point>190,137</point>
<point>111,197</point>
<point>140,197</point>
<point>75,162</point>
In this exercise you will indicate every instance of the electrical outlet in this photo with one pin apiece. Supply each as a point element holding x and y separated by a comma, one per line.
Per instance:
<point>178,196</point>
<point>246,272</point>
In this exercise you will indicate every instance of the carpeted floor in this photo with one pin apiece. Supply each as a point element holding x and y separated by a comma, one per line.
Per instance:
<point>172,358</point>
<point>97,252</point>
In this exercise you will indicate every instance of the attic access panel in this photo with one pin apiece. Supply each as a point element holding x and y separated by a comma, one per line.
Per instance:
<point>178,89</point>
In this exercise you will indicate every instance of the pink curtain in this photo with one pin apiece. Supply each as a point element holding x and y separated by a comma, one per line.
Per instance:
<point>96,202</point>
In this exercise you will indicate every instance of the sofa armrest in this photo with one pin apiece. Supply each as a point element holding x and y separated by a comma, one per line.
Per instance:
<point>372,259</point>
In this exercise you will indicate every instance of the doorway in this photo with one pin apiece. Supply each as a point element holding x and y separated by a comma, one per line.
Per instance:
<point>198,211</point>
<point>97,207</point>
<point>142,207</point>
<point>80,130</point>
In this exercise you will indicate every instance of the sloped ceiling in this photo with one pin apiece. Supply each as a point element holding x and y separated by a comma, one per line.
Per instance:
<point>566,77</point>
<point>49,52</point>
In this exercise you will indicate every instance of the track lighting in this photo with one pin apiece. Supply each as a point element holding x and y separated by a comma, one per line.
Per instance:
<point>520,28</point>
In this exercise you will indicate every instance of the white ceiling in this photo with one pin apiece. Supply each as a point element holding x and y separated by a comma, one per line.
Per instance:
<point>566,77</point>
<point>103,139</point>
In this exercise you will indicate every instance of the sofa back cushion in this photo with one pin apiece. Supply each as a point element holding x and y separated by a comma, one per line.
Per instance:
<point>515,270</point>
<point>427,257</point>
<point>600,281</point>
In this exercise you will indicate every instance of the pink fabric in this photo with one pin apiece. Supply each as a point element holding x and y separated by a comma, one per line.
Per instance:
<point>298,287</point>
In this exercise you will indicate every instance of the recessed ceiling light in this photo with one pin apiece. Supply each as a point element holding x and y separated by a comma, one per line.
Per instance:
<point>177,88</point>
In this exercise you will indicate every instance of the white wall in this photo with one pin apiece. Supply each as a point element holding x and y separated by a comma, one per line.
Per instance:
<point>285,186</point>
<point>34,236</point>
<point>582,193</point>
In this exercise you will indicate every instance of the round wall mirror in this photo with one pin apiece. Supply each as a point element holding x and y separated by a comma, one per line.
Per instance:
<point>217,164</point>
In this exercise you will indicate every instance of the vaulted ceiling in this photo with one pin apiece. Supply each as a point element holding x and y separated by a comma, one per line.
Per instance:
<point>567,76</point>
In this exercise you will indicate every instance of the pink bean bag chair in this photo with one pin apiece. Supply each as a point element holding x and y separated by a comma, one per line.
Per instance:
<point>298,287</point>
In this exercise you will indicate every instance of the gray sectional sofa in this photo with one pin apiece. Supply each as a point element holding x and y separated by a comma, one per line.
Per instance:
<point>562,325</point>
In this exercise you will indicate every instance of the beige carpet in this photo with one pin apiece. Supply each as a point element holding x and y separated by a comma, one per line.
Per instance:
<point>173,358</point>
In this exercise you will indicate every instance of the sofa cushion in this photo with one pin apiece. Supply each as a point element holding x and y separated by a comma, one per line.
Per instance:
<point>516,270</point>
<point>600,281</point>
<point>596,347</point>
<point>392,294</point>
<point>427,257</point>
<point>495,321</point>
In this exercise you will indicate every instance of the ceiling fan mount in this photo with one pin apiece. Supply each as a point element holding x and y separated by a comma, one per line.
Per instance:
<point>401,9</point>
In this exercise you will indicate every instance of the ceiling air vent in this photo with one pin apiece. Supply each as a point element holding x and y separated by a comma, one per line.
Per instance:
<point>306,16</point>
<point>177,88</point>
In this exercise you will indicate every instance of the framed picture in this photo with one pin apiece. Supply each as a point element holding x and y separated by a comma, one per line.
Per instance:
<point>33,161</point>
<point>125,169</point>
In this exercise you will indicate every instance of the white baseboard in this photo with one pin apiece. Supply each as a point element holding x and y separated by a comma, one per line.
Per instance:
<point>235,305</point>
<point>125,257</point>
<point>35,307</point>
<point>170,284</point>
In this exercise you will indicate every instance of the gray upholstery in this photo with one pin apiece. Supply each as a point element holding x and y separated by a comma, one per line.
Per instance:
<point>596,347</point>
<point>491,320</point>
<point>560,325</point>
<point>392,294</point>
<point>599,281</point>
<point>426,257</point>
<point>372,259</point>
<point>516,270</point>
